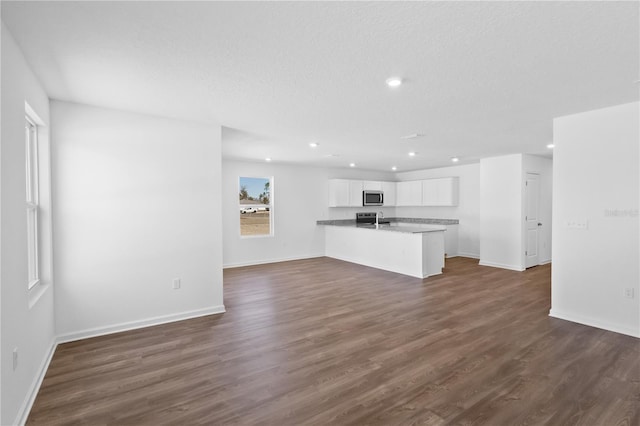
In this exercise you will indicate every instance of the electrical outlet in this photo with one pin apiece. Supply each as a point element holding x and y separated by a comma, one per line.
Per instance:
<point>15,359</point>
<point>629,293</point>
<point>177,283</point>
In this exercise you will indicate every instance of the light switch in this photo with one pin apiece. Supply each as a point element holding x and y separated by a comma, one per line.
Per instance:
<point>582,224</point>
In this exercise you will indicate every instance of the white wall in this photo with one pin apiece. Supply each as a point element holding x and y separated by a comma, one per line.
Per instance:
<point>501,206</point>
<point>596,173</point>
<point>27,318</point>
<point>502,220</point>
<point>467,210</point>
<point>300,197</point>
<point>544,168</point>
<point>137,204</point>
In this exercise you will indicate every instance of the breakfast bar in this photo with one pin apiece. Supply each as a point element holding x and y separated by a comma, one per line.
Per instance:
<point>401,248</point>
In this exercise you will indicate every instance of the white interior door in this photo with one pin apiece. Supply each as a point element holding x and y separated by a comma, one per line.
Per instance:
<point>532,218</point>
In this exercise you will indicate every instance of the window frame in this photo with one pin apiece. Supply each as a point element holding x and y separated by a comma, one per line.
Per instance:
<point>32,202</point>
<point>271,209</point>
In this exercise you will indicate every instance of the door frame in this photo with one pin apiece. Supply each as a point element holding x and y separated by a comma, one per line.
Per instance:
<point>526,224</point>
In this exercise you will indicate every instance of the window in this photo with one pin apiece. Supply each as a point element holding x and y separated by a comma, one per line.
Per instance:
<point>32,204</point>
<point>255,202</point>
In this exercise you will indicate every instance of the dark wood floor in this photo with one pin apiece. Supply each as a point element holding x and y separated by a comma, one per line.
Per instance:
<point>322,341</point>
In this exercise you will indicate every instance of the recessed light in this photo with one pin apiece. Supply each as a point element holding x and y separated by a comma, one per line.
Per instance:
<point>550,145</point>
<point>352,164</point>
<point>455,159</point>
<point>394,81</point>
<point>313,144</point>
<point>394,168</point>
<point>267,159</point>
<point>412,154</point>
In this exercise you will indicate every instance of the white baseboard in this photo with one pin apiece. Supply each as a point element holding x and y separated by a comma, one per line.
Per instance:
<point>502,266</point>
<point>25,409</point>
<point>469,255</point>
<point>544,262</point>
<point>264,262</point>
<point>132,325</point>
<point>595,322</point>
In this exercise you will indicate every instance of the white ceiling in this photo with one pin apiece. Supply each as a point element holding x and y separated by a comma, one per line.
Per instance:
<point>481,78</point>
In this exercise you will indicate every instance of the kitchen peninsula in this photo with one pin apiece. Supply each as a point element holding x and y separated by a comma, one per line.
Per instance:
<point>398,246</point>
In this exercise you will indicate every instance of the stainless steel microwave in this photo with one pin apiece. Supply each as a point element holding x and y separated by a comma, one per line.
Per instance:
<point>372,198</point>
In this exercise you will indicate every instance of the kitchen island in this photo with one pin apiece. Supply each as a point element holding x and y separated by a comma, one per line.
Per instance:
<point>402,248</point>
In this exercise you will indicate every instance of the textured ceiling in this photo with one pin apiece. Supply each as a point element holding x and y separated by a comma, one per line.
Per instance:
<point>481,78</point>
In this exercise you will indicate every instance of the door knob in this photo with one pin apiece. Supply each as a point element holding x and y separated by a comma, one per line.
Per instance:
<point>539,224</point>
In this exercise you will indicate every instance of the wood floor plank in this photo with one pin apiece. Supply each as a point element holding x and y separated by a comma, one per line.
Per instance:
<point>321,341</point>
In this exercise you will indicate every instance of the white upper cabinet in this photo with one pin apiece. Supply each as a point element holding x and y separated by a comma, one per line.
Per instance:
<point>371,185</point>
<point>339,192</point>
<point>448,191</point>
<point>428,192</point>
<point>345,193</point>
<point>389,190</point>
<point>440,192</point>
<point>409,193</point>
<point>355,193</point>
<point>348,193</point>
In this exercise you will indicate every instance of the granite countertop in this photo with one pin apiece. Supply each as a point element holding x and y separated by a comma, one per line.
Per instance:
<point>401,228</point>
<point>394,225</point>
<point>393,220</point>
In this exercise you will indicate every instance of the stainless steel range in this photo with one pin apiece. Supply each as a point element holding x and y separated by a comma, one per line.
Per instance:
<point>369,218</point>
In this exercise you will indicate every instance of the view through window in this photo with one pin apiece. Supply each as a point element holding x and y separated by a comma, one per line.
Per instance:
<point>31,154</point>
<point>255,201</point>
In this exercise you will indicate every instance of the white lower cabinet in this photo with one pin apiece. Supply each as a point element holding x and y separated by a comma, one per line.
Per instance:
<point>450,237</point>
<point>451,241</point>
